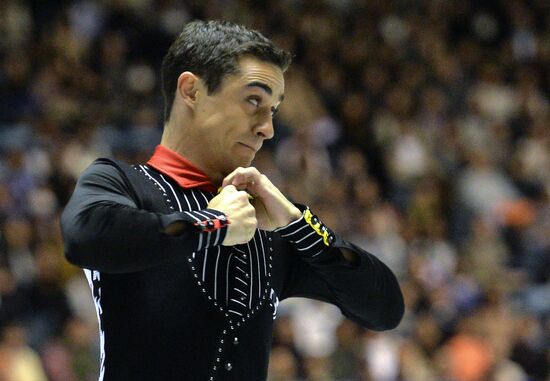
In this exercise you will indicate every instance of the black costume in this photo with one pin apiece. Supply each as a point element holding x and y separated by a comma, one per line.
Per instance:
<point>187,308</point>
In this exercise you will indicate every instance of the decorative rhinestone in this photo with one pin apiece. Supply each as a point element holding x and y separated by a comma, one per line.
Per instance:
<point>235,340</point>
<point>228,366</point>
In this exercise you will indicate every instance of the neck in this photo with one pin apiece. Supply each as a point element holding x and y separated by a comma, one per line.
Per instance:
<point>186,145</point>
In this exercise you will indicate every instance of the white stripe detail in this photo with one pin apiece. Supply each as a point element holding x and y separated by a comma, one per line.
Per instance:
<point>152,178</point>
<point>208,239</point>
<point>216,274</point>
<point>310,246</point>
<point>263,251</point>
<point>173,192</point>
<point>294,232</point>
<point>227,279</point>
<point>202,215</point>
<point>204,264</point>
<point>235,312</point>
<point>242,292</point>
<point>203,196</point>
<point>251,277</point>
<point>301,239</point>
<point>258,260</point>
<point>314,255</point>
<point>200,242</point>
<point>192,216</point>
<point>187,201</point>
<point>241,303</point>
<point>97,303</point>
<point>199,207</point>
<point>212,214</point>
<point>218,233</point>
<point>244,272</point>
<point>246,284</point>
<point>240,259</point>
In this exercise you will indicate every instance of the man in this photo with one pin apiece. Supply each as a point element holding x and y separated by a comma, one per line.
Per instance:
<point>188,255</point>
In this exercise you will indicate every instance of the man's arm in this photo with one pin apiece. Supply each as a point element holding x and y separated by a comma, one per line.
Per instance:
<point>323,266</point>
<point>104,230</point>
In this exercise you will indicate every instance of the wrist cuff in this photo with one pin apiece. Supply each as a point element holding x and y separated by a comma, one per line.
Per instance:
<point>208,225</point>
<point>307,234</point>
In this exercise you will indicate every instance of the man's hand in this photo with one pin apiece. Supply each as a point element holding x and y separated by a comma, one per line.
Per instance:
<point>241,214</point>
<point>273,210</point>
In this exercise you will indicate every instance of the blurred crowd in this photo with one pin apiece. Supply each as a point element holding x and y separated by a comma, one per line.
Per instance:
<point>419,130</point>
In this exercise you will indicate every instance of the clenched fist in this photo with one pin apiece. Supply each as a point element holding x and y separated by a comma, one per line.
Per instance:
<point>273,210</point>
<point>241,214</point>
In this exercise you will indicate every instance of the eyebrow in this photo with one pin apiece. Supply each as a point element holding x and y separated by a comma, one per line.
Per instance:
<point>264,87</point>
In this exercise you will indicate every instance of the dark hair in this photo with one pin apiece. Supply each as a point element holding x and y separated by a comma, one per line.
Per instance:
<point>211,49</point>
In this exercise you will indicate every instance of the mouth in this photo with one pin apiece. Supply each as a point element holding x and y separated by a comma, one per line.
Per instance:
<point>249,147</point>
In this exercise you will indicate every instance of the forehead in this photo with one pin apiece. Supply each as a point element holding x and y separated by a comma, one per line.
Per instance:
<point>254,70</point>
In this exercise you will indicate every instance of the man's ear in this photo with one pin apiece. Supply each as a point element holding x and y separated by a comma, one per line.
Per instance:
<point>187,89</point>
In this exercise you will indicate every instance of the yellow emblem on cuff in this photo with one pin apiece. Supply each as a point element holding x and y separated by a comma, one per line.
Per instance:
<point>308,216</point>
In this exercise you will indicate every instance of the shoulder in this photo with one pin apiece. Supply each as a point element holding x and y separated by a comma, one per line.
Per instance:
<point>102,168</point>
<point>106,173</point>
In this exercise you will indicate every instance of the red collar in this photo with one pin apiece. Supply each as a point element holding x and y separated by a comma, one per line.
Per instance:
<point>180,169</point>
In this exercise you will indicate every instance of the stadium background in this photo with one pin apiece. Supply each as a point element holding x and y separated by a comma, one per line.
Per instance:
<point>425,123</point>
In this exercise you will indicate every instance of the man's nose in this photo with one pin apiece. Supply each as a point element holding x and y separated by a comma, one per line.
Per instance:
<point>265,128</point>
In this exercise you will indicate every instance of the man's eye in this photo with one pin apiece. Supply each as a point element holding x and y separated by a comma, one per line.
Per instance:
<point>254,101</point>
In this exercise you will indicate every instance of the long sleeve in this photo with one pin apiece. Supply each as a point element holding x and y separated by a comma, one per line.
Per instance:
<point>365,290</point>
<point>104,230</point>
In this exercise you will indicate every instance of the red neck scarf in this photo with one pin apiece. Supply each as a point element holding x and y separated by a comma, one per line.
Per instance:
<point>180,169</point>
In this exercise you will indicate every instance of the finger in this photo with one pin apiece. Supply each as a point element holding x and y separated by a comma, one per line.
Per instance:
<point>229,188</point>
<point>245,195</point>
<point>229,178</point>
